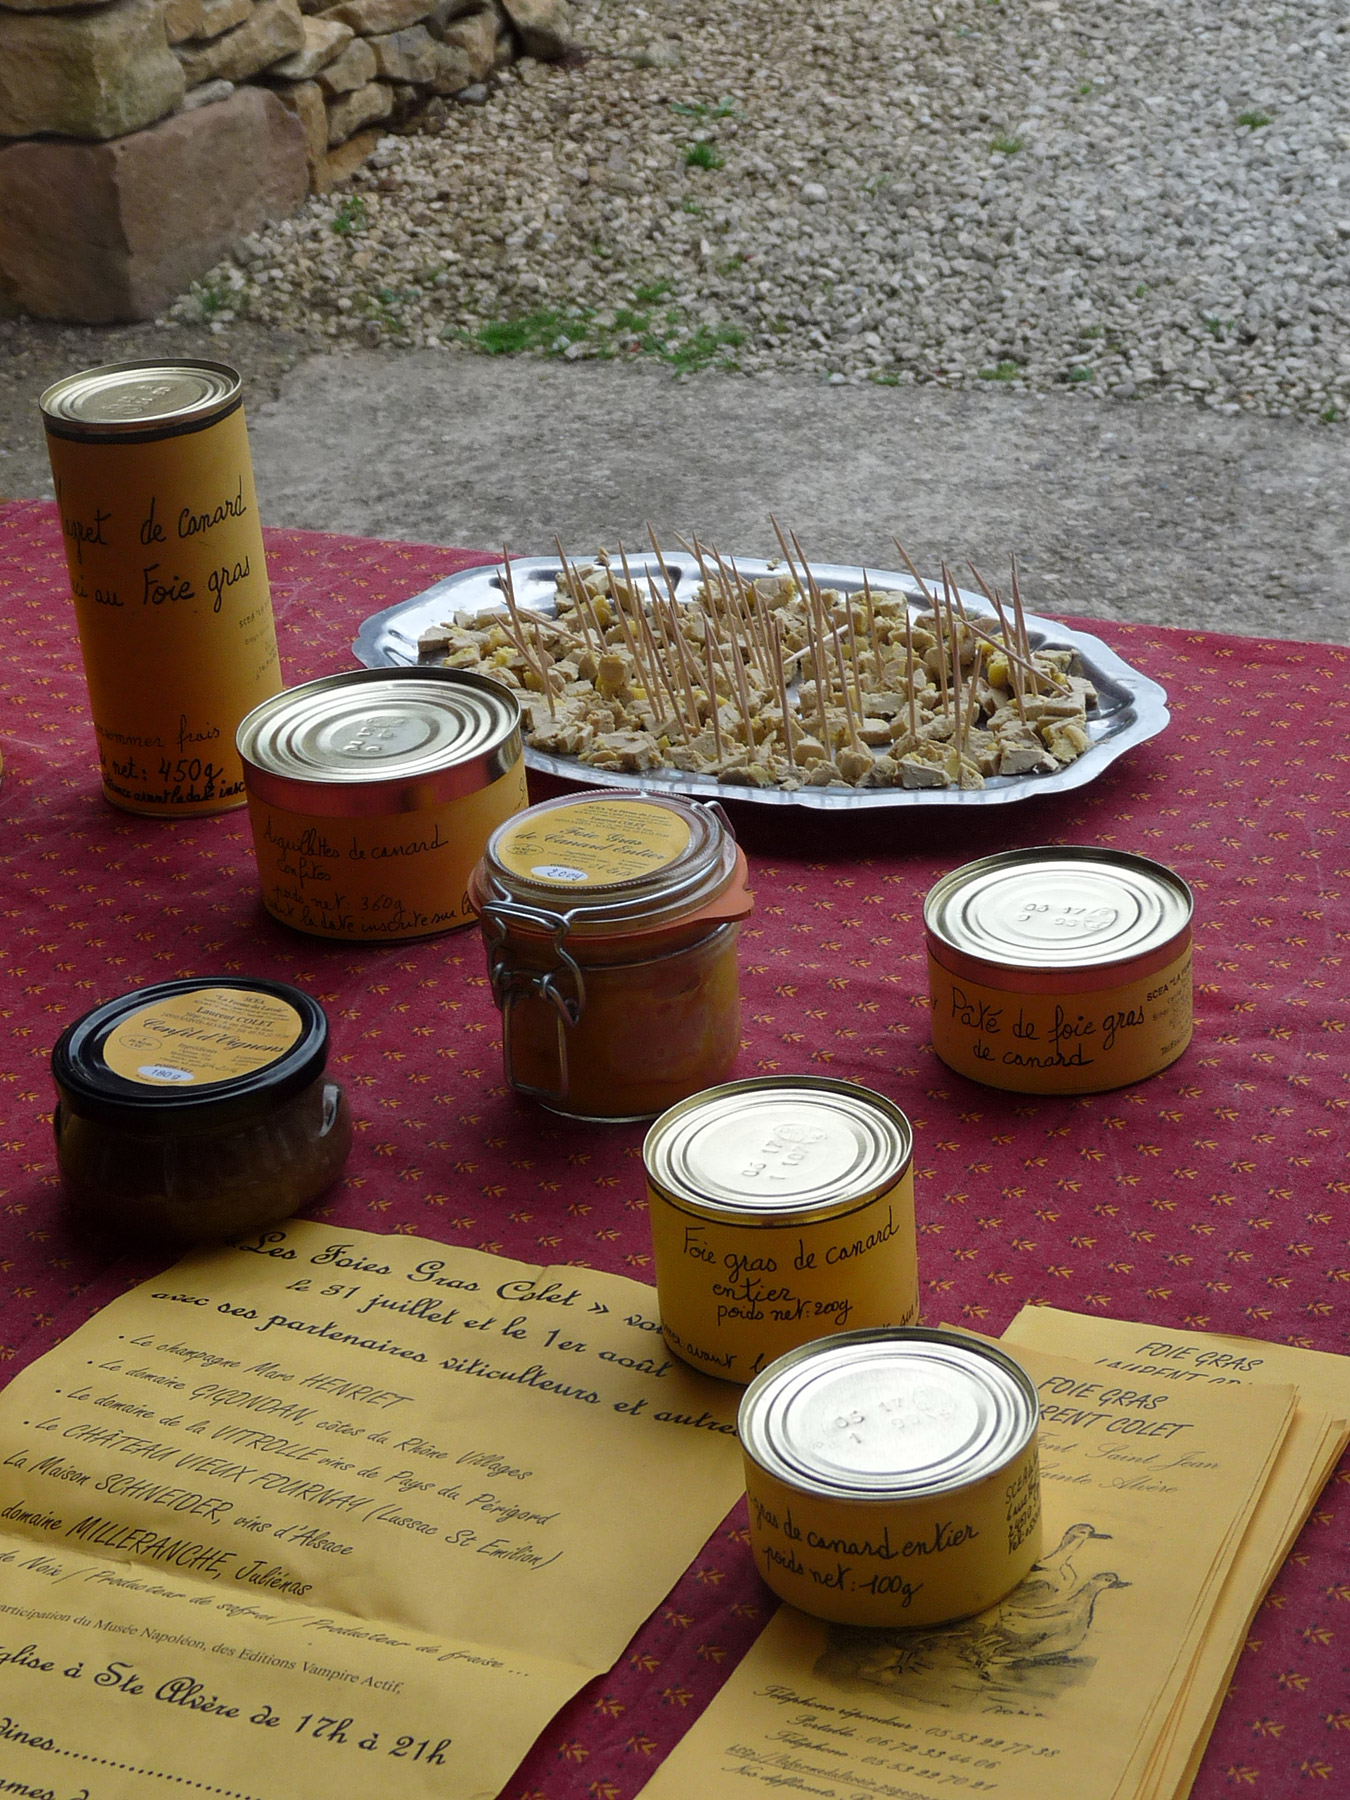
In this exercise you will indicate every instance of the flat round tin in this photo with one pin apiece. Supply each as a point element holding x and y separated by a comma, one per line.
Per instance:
<point>134,399</point>
<point>890,1414</point>
<point>1058,908</point>
<point>778,1149</point>
<point>380,739</point>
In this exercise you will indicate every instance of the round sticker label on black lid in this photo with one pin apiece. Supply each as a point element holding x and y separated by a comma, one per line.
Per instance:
<point>204,1036</point>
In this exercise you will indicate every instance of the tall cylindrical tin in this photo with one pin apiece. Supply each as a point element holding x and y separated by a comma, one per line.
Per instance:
<point>1060,970</point>
<point>372,793</point>
<point>155,491</point>
<point>781,1209</point>
<point>893,1476</point>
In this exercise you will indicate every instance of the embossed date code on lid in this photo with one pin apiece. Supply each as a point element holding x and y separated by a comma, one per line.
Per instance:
<point>121,400</point>
<point>893,1476</point>
<point>788,1149</point>
<point>1058,908</point>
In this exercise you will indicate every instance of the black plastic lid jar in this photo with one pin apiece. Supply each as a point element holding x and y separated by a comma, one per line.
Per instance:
<point>198,1108</point>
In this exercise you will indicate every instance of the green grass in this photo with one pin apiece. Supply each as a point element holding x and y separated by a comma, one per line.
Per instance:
<point>1007,146</point>
<point>1329,414</point>
<point>1253,120</point>
<point>1007,370</point>
<point>1093,331</point>
<point>633,333</point>
<point>1140,290</point>
<point>1085,87</point>
<point>531,331</point>
<point>885,380</point>
<point>690,205</point>
<point>212,297</point>
<point>703,156</point>
<point>1079,375</point>
<point>1217,328</point>
<point>350,215</point>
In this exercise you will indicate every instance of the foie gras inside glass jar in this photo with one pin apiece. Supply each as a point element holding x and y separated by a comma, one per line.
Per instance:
<point>611,922</point>
<point>198,1109</point>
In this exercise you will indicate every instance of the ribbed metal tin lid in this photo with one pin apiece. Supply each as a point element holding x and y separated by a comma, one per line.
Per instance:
<point>367,726</point>
<point>890,1414</point>
<point>1058,908</point>
<point>121,399</point>
<point>778,1149</point>
<point>611,859</point>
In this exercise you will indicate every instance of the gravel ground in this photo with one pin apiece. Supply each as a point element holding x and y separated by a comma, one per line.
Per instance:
<point>1130,199</point>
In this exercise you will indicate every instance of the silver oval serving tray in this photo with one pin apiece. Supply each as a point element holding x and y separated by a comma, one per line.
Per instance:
<point>1130,707</point>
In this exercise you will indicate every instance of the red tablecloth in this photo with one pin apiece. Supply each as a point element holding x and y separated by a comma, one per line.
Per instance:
<point>1213,1196</point>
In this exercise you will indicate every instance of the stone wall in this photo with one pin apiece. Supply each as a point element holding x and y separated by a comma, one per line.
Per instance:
<point>140,138</point>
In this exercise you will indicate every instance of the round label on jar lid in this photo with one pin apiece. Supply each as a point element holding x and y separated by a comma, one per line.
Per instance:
<point>208,1034</point>
<point>595,843</point>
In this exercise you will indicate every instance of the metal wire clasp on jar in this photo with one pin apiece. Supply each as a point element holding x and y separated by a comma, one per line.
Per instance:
<point>610,922</point>
<point>1060,970</point>
<point>893,1476</point>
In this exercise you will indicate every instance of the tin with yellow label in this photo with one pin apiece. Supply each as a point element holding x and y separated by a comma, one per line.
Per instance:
<point>782,1209</point>
<point>893,1476</point>
<point>155,489</point>
<point>371,795</point>
<point>1061,970</point>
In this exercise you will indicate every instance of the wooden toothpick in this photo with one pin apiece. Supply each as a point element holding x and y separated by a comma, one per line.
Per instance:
<point>782,694</point>
<point>712,698</point>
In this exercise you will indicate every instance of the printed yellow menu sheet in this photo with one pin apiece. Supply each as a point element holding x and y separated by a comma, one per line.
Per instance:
<point>1047,1695</point>
<point>1119,1349</point>
<point>329,1513</point>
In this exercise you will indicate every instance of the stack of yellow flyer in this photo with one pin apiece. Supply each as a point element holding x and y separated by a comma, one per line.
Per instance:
<point>1177,1469</point>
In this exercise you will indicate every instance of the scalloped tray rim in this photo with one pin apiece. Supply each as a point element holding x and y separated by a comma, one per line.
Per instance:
<point>1143,712</point>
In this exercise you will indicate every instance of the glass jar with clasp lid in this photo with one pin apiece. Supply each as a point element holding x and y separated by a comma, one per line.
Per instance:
<point>610,921</point>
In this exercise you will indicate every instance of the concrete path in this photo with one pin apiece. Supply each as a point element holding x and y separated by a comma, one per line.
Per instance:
<point>1139,510</point>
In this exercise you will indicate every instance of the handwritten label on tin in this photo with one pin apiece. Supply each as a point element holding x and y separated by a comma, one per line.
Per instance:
<point>396,875</point>
<point>895,1559</point>
<point>1069,1042</point>
<point>735,1297</point>
<point>167,572</point>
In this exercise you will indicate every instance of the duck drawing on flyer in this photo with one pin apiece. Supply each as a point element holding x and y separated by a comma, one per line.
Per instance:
<point>1016,1657</point>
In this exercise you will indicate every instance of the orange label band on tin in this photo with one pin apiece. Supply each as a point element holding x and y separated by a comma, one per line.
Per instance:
<point>1062,1043</point>
<point>907,1563</point>
<point>387,877</point>
<point>171,599</point>
<point>733,1297</point>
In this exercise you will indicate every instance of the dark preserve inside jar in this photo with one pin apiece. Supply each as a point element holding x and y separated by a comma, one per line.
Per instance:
<point>198,1109</point>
